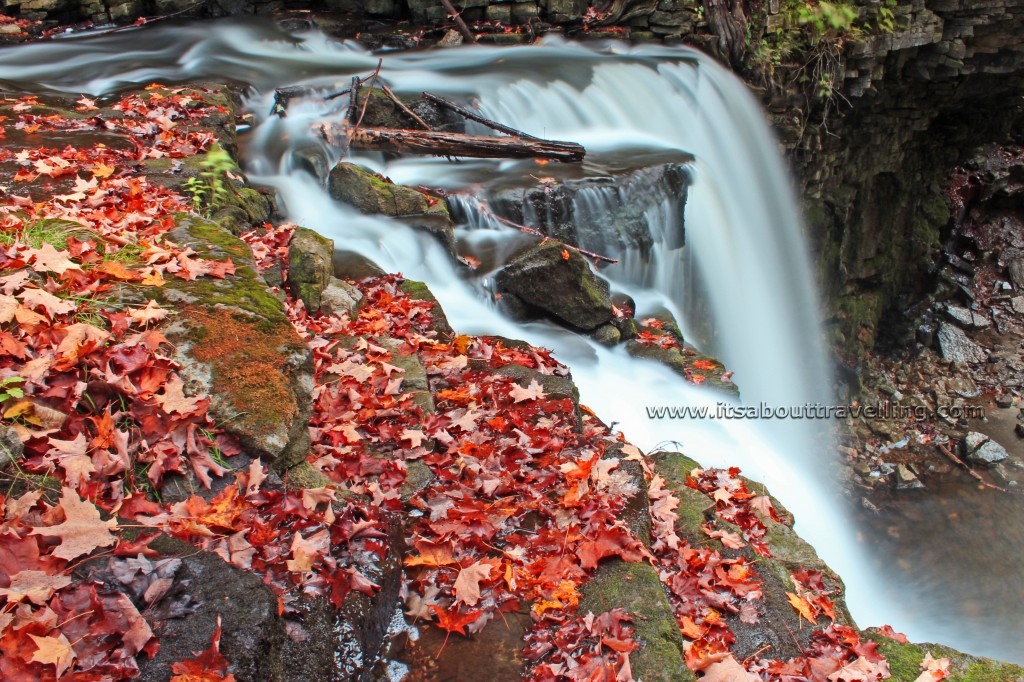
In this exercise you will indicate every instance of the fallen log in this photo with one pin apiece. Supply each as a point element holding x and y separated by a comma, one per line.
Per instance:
<point>440,143</point>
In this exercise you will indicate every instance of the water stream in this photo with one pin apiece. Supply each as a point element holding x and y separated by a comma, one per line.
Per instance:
<point>744,271</point>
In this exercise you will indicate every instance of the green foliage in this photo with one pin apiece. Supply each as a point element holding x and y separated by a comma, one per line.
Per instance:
<point>8,389</point>
<point>826,16</point>
<point>211,187</point>
<point>885,18</point>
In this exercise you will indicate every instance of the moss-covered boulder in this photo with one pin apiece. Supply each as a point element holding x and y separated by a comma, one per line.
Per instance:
<point>559,282</point>
<point>375,195</point>
<point>905,662</point>
<point>310,266</point>
<point>235,343</point>
<point>636,589</point>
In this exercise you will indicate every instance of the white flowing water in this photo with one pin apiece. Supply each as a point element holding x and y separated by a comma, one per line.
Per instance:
<point>630,107</point>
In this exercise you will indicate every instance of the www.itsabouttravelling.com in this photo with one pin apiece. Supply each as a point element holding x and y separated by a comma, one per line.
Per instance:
<point>884,410</point>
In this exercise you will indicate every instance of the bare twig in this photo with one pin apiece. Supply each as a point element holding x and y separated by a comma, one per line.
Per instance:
<point>401,105</point>
<point>522,228</point>
<point>971,472</point>
<point>366,100</point>
<point>459,23</point>
<point>473,116</point>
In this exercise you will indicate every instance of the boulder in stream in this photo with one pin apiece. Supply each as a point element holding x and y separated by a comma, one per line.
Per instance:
<point>560,282</point>
<point>375,195</point>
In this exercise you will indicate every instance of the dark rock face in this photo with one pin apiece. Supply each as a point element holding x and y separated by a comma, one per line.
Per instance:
<point>559,282</point>
<point>603,215</point>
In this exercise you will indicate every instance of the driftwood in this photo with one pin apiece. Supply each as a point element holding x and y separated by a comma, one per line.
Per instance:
<point>473,116</point>
<point>973,474</point>
<point>459,23</point>
<point>453,144</point>
<point>401,105</point>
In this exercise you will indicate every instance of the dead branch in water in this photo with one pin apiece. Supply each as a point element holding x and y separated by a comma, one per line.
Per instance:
<point>971,472</point>
<point>473,116</point>
<point>523,228</point>
<point>440,143</point>
<point>459,23</point>
<point>401,105</point>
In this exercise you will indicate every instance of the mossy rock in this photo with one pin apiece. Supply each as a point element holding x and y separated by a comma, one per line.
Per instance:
<point>375,195</point>
<point>310,266</point>
<point>905,662</point>
<point>636,589</point>
<point>420,292</point>
<point>687,363</point>
<point>235,343</point>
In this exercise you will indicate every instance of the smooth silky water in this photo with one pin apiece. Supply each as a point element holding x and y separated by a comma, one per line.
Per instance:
<point>745,261</point>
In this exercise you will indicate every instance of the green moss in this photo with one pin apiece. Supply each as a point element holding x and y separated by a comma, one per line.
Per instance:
<point>693,505</point>
<point>216,235</point>
<point>245,291</point>
<point>305,475</point>
<point>637,589</point>
<point>905,662</point>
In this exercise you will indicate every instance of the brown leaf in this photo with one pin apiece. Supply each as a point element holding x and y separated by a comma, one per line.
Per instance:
<point>35,586</point>
<point>54,650</point>
<point>467,585</point>
<point>82,531</point>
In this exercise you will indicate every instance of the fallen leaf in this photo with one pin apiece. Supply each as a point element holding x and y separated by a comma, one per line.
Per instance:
<point>82,530</point>
<point>53,650</point>
<point>467,585</point>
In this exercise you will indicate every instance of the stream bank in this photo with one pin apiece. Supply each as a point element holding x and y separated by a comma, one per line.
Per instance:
<point>295,571</point>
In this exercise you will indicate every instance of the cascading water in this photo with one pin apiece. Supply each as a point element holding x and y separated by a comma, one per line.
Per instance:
<point>632,108</point>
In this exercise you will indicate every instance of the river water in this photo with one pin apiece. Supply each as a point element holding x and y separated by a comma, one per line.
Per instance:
<point>744,271</point>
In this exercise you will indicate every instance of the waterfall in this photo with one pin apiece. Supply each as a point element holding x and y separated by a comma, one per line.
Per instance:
<point>633,108</point>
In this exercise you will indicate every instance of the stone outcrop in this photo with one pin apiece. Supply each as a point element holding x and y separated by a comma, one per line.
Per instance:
<point>559,282</point>
<point>310,267</point>
<point>374,195</point>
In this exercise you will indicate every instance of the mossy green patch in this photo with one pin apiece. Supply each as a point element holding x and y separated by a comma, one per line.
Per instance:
<point>214,234</point>
<point>637,589</point>
<point>905,662</point>
<point>693,505</point>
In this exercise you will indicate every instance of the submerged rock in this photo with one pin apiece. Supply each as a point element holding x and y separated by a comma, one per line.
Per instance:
<point>560,282</point>
<point>954,345</point>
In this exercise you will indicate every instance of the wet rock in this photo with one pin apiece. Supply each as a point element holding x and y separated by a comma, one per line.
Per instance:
<point>1004,400</point>
<point>253,635</point>
<point>451,38</point>
<point>906,479</point>
<point>607,335</point>
<point>1019,430</point>
<point>954,345</point>
<point>1017,302</point>
<point>988,454</point>
<point>594,214</point>
<point>354,266</point>
<point>373,195</point>
<point>341,298</point>
<point>565,287</point>
<point>974,440</point>
<point>11,447</point>
<point>1016,270</point>
<point>968,318</point>
<point>310,264</point>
